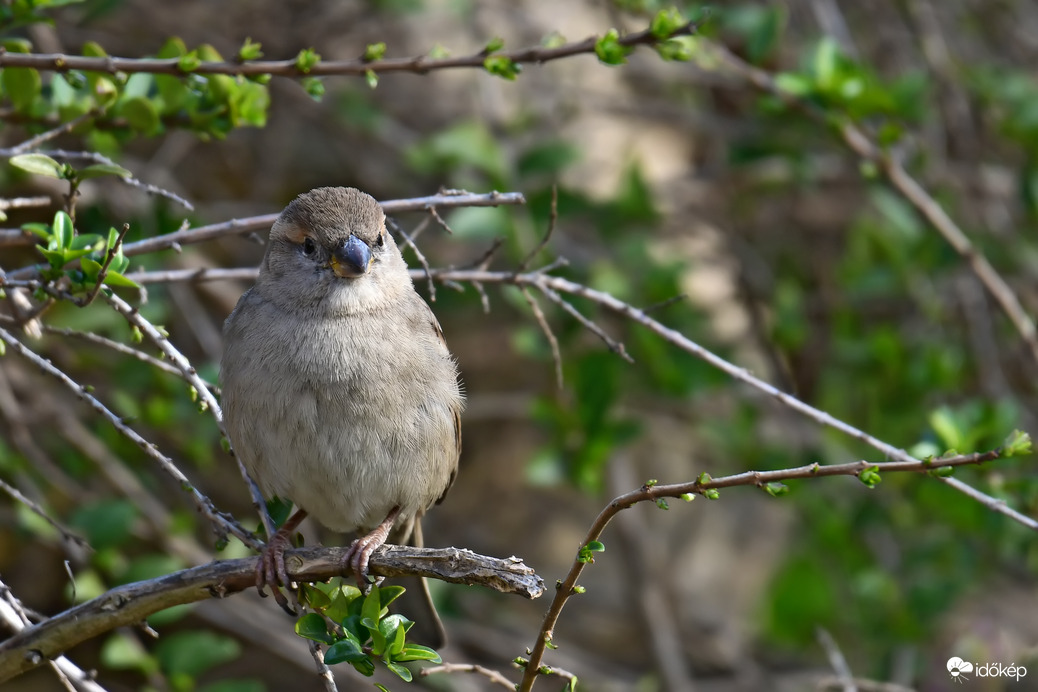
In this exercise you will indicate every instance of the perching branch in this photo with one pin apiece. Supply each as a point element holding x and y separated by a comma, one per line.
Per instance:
<point>132,603</point>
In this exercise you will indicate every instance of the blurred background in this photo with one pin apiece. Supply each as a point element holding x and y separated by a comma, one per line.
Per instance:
<point>792,259</point>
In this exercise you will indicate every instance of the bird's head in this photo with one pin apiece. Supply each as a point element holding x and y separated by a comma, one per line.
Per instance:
<point>330,247</point>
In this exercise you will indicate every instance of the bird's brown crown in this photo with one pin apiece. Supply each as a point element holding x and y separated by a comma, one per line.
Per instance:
<point>331,214</point>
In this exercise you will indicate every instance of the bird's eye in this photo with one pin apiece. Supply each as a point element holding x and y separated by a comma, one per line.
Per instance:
<point>309,246</point>
<point>381,239</point>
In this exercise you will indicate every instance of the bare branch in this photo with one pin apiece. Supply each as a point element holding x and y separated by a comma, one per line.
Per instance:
<point>221,522</point>
<point>491,675</point>
<point>542,321</point>
<point>132,603</point>
<point>44,137</point>
<point>908,187</point>
<point>17,496</point>
<point>201,389</point>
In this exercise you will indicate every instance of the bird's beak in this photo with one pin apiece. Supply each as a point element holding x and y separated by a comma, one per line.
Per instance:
<point>351,259</point>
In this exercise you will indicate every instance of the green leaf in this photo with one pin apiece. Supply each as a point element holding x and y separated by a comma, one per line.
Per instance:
<point>1018,443</point>
<point>250,104</point>
<point>193,652</point>
<point>609,49</point>
<point>870,476</point>
<point>374,51</point>
<point>502,66</point>
<point>394,629</point>
<point>711,494</point>
<point>666,22</point>
<point>417,652</point>
<point>388,594</point>
<point>86,241</point>
<point>55,258</point>
<point>141,114</point>
<point>22,86</point>
<point>341,600</point>
<point>493,45</point>
<point>678,49</point>
<point>40,164</point>
<point>41,229</point>
<point>250,50</point>
<point>371,77</point>
<point>586,552</point>
<point>314,87</point>
<point>775,489</point>
<point>98,169</point>
<point>344,650</point>
<point>306,60</point>
<point>312,626</point>
<point>400,670</point>
<point>91,268</point>
<point>63,231</point>
<point>372,607</point>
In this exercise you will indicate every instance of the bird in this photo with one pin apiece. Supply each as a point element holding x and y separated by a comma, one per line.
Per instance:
<point>338,389</point>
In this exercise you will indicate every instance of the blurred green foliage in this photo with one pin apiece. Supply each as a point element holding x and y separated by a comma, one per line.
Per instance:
<point>863,323</point>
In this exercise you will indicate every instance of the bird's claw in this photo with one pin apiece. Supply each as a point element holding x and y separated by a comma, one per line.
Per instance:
<point>271,571</point>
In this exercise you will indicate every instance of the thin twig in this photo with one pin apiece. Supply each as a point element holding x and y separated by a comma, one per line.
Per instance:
<point>103,273</point>
<point>44,137</point>
<point>836,660</point>
<point>67,534</point>
<point>259,223</point>
<point>449,668</point>
<point>409,241</point>
<point>25,203</point>
<point>909,188</point>
<point>420,64</point>
<point>542,321</point>
<point>561,285</point>
<point>615,346</point>
<point>323,671</point>
<point>123,349</point>
<point>222,523</point>
<point>188,372</point>
<point>685,491</point>
<point>130,180</point>
<point>553,218</point>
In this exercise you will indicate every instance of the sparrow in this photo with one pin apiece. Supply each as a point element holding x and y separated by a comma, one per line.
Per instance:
<point>338,389</point>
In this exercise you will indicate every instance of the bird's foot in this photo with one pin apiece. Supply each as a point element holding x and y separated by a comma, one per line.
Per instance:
<point>360,551</point>
<point>271,570</point>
